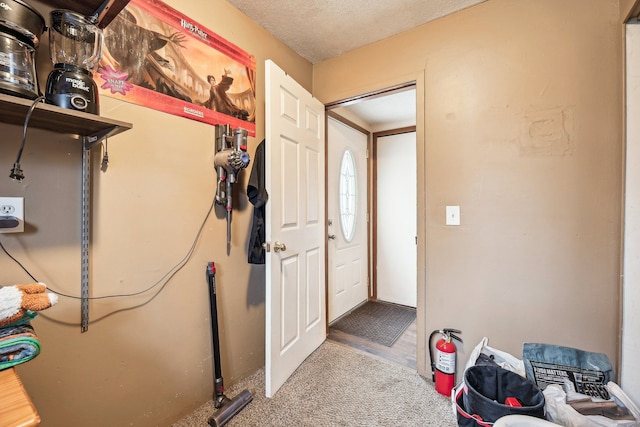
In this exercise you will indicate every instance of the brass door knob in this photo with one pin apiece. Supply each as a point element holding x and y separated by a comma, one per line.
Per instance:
<point>279,247</point>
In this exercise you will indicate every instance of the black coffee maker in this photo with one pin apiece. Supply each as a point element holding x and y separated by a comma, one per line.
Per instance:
<point>75,45</point>
<point>20,29</point>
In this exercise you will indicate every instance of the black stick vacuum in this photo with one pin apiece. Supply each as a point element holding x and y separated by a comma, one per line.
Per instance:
<point>225,408</point>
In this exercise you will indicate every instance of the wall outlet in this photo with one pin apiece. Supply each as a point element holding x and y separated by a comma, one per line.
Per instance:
<point>11,214</point>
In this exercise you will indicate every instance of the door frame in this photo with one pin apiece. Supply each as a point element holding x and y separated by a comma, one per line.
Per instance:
<point>629,320</point>
<point>335,116</point>
<point>374,203</point>
<point>416,79</point>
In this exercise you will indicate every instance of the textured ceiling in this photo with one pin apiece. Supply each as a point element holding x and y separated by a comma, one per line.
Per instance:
<point>322,29</point>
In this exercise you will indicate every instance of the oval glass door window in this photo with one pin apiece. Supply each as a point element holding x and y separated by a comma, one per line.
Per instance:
<point>348,195</point>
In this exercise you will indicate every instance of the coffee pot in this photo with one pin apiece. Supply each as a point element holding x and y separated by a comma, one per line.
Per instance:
<point>20,29</point>
<point>75,46</point>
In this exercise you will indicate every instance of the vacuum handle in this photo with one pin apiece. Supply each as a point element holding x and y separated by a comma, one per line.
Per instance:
<point>211,278</point>
<point>211,271</point>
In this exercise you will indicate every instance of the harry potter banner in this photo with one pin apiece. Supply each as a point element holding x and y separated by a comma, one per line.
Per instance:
<point>155,56</point>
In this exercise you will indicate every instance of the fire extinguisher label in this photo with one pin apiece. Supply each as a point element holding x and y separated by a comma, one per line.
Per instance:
<point>445,362</point>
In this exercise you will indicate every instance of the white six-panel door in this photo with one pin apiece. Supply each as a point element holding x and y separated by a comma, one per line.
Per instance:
<point>295,218</point>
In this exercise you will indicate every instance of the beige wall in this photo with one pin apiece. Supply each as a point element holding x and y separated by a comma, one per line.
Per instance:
<point>521,127</point>
<point>520,120</point>
<point>626,7</point>
<point>145,360</point>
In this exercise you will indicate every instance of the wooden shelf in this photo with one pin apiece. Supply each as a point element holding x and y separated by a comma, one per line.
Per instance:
<point>88,7</point>
<point>16,407</point>
<point>91,129</point>
<point>13,110</point>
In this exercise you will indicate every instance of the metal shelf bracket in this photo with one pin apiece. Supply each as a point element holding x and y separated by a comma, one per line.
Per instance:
<point>88,142</point>
<point>85,234</point>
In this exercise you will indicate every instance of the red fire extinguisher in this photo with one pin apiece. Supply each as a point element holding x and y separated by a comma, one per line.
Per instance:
<point>443,369</point>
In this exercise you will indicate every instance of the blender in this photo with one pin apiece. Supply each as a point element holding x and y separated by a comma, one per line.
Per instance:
<point>75,45</point>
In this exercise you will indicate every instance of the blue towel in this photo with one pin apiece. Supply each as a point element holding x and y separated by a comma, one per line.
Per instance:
<point>18,344</point>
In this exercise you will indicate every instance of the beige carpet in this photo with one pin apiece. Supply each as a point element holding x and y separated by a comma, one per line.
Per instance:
<point>339,386</point>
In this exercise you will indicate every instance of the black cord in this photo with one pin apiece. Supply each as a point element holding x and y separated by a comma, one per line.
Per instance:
<point>105,155</point>
<point>17,262</point>
<point>16,172</point>
<point>172,272</point>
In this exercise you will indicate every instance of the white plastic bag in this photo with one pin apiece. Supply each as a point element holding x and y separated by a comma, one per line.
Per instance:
<point>559,411</point>
<point>502,358</point>
<point>562,413</point>
<point>622,399</point>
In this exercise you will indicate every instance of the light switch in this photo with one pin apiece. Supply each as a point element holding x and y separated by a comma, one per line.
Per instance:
<point>453,215</point>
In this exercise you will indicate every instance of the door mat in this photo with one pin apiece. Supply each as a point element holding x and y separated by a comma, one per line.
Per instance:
<point>377,321</point>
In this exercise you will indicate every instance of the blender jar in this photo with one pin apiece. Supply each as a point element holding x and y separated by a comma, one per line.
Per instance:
<point>73,40</point>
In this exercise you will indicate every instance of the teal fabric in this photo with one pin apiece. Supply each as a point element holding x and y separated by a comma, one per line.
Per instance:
<point>18,344</point>
<point>27,317</point>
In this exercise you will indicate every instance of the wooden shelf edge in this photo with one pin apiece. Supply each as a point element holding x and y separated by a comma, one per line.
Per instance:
<point>14,110</point>
<point>88,7</point>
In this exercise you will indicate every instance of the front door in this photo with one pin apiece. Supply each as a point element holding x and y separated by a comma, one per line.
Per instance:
<point>295,218</point>
<point>347,218</point>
